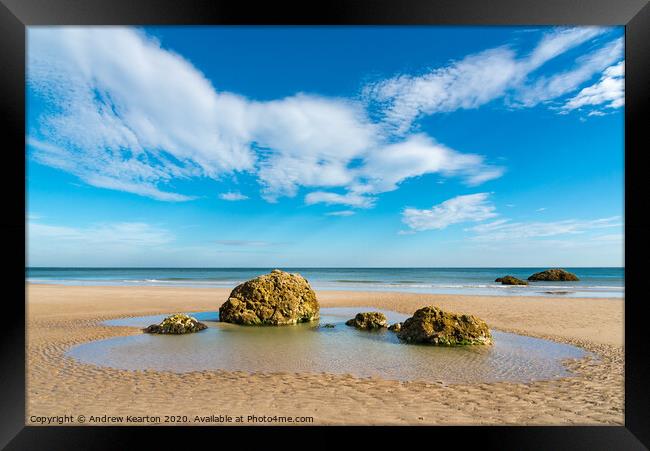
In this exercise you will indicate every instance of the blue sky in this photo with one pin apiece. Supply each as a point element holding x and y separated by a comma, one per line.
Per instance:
<point>325,146</point>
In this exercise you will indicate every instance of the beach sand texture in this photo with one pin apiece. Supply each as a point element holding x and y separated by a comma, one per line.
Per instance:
<point>59,317</point>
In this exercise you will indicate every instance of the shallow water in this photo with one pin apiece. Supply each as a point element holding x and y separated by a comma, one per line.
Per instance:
<point>308,348</point>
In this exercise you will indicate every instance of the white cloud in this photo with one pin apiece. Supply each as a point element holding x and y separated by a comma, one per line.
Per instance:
<point>232,196</point>
<point>504,229</point>
<point>548,88</point>
<point>129,113</point>
<point>340,213</point>
<point>479,78</point>
<point>557,42</point>
<point>124,113</point>
<point>468,208</point>
<point>469,83</point>
<point>388,166</point>
<point>312,140</point>
<point>244,243</point>
<point>104,236</point>
<point>609,92</point>
<point>350,199</point>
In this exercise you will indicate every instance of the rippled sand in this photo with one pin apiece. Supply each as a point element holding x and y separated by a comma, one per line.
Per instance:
<point>62,316</point>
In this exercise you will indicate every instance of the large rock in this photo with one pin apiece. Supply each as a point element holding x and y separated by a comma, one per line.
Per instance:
<point>430,325</point>
<point>554,275</point>
<point>511,280</point>
<point>176,324</point>
<point>274,299</point>
<point>368,320</point>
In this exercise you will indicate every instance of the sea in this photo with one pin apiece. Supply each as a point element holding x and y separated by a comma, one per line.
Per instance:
<point>594,282</point>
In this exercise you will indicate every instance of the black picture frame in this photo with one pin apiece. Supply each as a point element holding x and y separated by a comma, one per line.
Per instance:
<point>15,15</point>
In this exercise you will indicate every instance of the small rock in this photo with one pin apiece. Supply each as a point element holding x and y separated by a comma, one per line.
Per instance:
<point>511,280</point>
<point>431,325</point>
<point>554,275</point>
<point>368,320</point>
<point>328,325</point>
<point>176,325</point>
<point>395,327</point>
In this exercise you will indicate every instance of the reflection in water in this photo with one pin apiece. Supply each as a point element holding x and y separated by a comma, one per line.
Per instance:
<point>309,348</point>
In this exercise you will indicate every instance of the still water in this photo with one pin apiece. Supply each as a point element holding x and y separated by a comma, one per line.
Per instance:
<point>310,348</point>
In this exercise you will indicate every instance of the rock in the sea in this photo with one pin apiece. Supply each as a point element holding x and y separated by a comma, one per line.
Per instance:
<point>511,280</point>
<point>274,299</point>
<point>395,327</point>
<point>176,324</point>
<point>554,275</point>
<point>368,320</point>
<point>328,325</point>
<point>430,325</point>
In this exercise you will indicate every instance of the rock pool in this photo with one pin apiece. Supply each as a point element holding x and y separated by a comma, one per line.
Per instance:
<point>309,348</point>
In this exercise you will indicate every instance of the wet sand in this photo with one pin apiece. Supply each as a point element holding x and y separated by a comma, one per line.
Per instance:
<point>59,317</point>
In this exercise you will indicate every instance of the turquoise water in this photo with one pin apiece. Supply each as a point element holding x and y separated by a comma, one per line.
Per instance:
<point>309,348</point>
<point>595,282</point>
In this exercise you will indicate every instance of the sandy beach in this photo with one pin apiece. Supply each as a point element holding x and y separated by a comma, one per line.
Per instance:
<point>59,317</point>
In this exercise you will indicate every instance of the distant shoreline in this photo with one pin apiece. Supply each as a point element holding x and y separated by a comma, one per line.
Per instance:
<point>594,282</point>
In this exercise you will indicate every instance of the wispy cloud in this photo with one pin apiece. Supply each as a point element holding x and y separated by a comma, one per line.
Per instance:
<point>232,196</point>
<point>608,92</point>
<point>124,113</point>
<point>350,199</point>
<point>140,127</point>
<point>469,208</point>
<point>505,229</point>
<point>245,243</point>
<point>131,234</point>
<point>485,76</point>
<point>548,88</point>
<point>341,213</point>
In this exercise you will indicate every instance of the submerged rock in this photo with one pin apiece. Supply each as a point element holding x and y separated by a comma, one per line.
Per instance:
<point>430,325</point>
<point>554,275</point>
<point>274,299</point>
<point>328,325</point>
<point>368,320</point>
<point>511,280</point>
<point>395,327</point>
<point>177,325</point>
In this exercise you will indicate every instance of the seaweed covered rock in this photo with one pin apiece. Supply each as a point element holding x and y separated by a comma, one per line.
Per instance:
<point>274,299</point>
<point>368,320</point>
<point>511,280</point>
<point>176,324</point>
<point>554,275</point>
<point>431,325</point>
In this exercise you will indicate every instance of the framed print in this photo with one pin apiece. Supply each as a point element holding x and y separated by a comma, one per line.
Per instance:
<point>360,214</point>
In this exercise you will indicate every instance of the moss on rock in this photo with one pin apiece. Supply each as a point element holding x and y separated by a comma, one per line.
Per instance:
<point>554,275</point>
<point>431,325</point>
<point>368,320</point>
<point>511,280</point>
<point>176,325</point>
<point>274,299</point>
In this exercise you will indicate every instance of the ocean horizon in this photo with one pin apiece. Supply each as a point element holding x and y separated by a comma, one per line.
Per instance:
<point>594,281</point>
